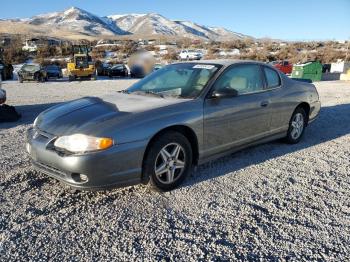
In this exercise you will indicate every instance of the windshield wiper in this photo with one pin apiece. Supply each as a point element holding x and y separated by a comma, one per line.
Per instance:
<point>148,92</point>
<point>125,91</point>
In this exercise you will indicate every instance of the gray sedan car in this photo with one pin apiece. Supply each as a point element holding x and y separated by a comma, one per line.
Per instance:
<point>179,116</point>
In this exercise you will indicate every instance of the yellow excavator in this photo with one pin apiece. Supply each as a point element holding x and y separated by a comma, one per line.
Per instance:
<point>81,66</point>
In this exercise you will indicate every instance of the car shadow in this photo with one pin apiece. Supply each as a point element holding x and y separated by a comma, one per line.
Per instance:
<point>333,122</point>
<point>28,112</point>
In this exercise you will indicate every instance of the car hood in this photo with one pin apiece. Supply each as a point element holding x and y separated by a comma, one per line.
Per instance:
<point>22,71</point>
<point>88,115</point>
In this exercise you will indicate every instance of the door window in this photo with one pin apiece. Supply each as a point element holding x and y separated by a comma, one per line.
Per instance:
<point>243,78</point>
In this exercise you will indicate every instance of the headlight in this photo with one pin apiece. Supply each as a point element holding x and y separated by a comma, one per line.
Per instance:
<point>80,143</point>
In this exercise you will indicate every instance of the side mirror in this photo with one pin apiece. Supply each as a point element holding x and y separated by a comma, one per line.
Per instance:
<point>1,67</point>
<point>225,92</point>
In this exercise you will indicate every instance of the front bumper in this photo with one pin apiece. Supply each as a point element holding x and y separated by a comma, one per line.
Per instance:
<point>117,166</point>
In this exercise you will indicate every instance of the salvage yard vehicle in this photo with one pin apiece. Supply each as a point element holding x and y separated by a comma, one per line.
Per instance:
<point>118,70</point>
<point>53,71</point>
<point>284,66</point>
<point>2,91</point>
<point>2,95</point>
<point>190,55</point>
<point>181,115</point>
<point>81,66</point>
<point>102,69</point>
<point>32,72</point>
<point>137,71</point>
<point>7,113</point>
<point>6,72</point>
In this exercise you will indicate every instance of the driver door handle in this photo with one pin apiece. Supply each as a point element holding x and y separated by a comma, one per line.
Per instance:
<point>265,103</point>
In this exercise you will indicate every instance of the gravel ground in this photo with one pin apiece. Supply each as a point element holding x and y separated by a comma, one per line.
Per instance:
<point>272,202</point>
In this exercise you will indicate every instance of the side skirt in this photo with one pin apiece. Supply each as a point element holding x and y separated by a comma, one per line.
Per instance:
<point>235,149</point>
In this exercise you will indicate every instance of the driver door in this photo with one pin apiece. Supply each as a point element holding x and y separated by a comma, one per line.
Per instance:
<point>236,120</point>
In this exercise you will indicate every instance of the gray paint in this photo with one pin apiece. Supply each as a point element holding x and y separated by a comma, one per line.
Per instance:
<point>221,125</point>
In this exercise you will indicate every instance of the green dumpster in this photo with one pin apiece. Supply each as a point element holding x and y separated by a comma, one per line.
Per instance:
<point>309,70</point>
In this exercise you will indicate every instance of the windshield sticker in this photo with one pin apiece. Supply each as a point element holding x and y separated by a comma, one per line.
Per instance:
<point>209,67</point>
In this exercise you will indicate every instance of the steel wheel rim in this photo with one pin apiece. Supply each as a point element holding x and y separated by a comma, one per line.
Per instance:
<point>170,163</point>
<point>297,125</point>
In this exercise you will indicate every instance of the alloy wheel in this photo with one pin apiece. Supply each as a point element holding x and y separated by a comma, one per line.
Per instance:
<point>170,163</point>
<point>297,126</point>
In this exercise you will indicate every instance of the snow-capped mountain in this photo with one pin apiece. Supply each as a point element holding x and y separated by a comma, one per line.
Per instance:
<point>155,24</point>
<point>75,21</point>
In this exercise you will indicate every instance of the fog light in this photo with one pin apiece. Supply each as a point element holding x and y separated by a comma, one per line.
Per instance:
<point>83,178</point>
<point>79,178</point>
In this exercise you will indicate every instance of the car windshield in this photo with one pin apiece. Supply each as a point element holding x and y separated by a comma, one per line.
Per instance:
<point>31,68</point>
<point>184,80</point>
<point>117,67</point>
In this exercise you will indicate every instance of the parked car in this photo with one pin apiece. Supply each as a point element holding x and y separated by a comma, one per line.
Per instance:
<point>284,66</point>
<point>103,69</point>
<point>53,71</point>
<point>2,96</point>
<point>137,71</point>
<point>179,116</point>
<point>2,91</point>
<point>32,72</point>
<point>118,70</point>
<point>190,55</point>
<point>7,71</point>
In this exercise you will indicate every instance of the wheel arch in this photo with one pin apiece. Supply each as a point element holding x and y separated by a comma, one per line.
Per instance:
<point>306,107</point>
<point>182,129</point>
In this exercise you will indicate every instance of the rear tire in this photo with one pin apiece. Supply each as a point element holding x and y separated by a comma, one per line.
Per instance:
<point>168,161</point>
<point>297,126</point>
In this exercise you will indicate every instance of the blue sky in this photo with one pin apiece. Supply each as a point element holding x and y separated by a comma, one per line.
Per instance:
<point>283,19</point>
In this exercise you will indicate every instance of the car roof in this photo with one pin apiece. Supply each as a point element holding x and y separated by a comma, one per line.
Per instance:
<point>224,62</point>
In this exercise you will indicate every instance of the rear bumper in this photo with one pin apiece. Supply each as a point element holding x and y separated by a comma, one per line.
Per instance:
<point>118,166</point>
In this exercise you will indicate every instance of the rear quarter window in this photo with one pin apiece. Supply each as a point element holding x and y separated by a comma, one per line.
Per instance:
<point>272,78</point>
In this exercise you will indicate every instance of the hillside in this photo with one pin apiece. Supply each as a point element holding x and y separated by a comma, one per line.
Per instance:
<point>75,23</point>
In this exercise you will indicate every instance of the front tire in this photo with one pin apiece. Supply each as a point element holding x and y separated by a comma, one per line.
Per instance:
<point>297,126</point>
<point>168,161</point>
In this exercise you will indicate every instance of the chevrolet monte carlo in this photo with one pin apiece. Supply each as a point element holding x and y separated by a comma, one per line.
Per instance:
<point>177,117</point>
